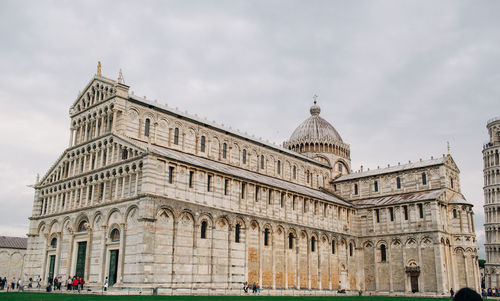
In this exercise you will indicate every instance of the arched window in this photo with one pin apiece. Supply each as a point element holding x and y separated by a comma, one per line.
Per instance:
<point>262,163</point>
<point>313,244</point>
<point>146,127</point>
<point>176,136</point>
<point>202,144</point>
<point>454,213</point>
<point>356,189</point>
<point>290,240</point>
<point>115,235</point>
<point>83,226</point>
<point>203,229</point>
<point>307,176</point>
<point>333,246</point>
<point>278,167</point>
<point>224,151</point>
<point>124,154</point>
<point>244,156</point>
<point>237,233</point>
<point>398,182</point>
<point>383,256</point>
<point>53,243</point>
<point>350,249</point>
<point>294,172</point>
<point>424,178</point>
<point>451,182</point>
<point>375,186</point>
<point>266,237</point>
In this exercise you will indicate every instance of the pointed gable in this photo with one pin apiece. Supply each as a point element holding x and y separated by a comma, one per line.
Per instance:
<point>97,90</point>
<point>60,169</point>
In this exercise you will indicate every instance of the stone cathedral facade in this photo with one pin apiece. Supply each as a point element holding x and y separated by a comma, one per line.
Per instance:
<point>155,198</point>
<point>491,203</point>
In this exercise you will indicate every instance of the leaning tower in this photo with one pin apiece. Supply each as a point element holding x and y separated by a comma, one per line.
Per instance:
<point>492,204</point>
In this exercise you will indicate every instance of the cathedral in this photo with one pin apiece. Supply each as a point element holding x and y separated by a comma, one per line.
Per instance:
<point>160,201</point>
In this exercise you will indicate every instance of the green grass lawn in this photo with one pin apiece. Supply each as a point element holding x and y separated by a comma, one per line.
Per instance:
<point>75,297</point>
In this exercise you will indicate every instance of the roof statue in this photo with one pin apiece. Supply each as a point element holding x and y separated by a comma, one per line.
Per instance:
<point>120,77</point>
<point>99,68</point>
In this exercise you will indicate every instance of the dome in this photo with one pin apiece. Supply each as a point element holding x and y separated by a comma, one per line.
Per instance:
<point>315,128</point>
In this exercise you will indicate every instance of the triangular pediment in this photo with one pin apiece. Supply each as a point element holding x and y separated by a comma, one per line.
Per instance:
<point>60,170</point>
<point>451,163</point>
<point>97,90</point>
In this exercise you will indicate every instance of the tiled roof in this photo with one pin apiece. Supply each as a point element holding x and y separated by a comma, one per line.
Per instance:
<point>399,198</point>
<point>239,172</point>
<point>13,242</point>
<point>391,169</point>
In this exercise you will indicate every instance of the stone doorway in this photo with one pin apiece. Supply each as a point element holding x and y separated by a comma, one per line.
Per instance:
<point>413,272</point>
<point>80,259</point>
<point>113,267</point>
<point>414,283</point>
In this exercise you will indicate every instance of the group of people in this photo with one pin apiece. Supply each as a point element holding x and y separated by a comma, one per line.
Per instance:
<point>493,292</point>
<point>14,284</point>
<point>72,283</point>
<point>255,287</point>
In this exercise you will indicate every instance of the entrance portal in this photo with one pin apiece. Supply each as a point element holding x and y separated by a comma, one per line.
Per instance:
<point>52,264</point>
<point>113,267</point>
<point>80,259</point>
<point>414,284</point>
<point>413,271</point>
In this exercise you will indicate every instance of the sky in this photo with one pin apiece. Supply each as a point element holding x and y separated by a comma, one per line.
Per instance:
<point>397,79</point>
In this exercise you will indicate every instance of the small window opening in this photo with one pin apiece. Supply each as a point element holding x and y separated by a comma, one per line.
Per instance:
<point>243,187</point>
<point>176,136</point>
<point>377,213</point>
<point>424,178</point>
<point>383,254</point>
<point>226,184</point>
<point>266,237</point>
<point>224,151</point>
<point>237,233</point>
<point>202,144</point>
<point>262,162</point>
<point>350,249</point>
<point>375,185</point>
<point>290,240</point>
<point>115,235</point>
<point>203,229</point>
<point>356,189</point>
<point>421,210</point>
<point>294,172</point>
<point>244,156</point>
<point>256,193</point>
<point>398,182</point>
<point>278,167</point>
<point>146,127</point>
<point>53,243</point>
<point>391,213</point>
<point>124,154</point>
<point>333,246</point>
<point>405,208</point>
<point>209,183</point>
<point>191,174</point>
<point>170,174</point>
<point>313,244</point>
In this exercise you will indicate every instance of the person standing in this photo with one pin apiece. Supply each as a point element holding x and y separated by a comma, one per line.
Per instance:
<point>106,284</point>
<point>13,283</point>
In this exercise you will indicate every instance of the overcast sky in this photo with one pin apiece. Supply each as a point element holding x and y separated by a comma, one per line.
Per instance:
<point>397,79</point>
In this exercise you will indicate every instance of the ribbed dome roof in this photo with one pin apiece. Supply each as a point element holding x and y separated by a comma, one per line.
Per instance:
<point>315,128</point>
